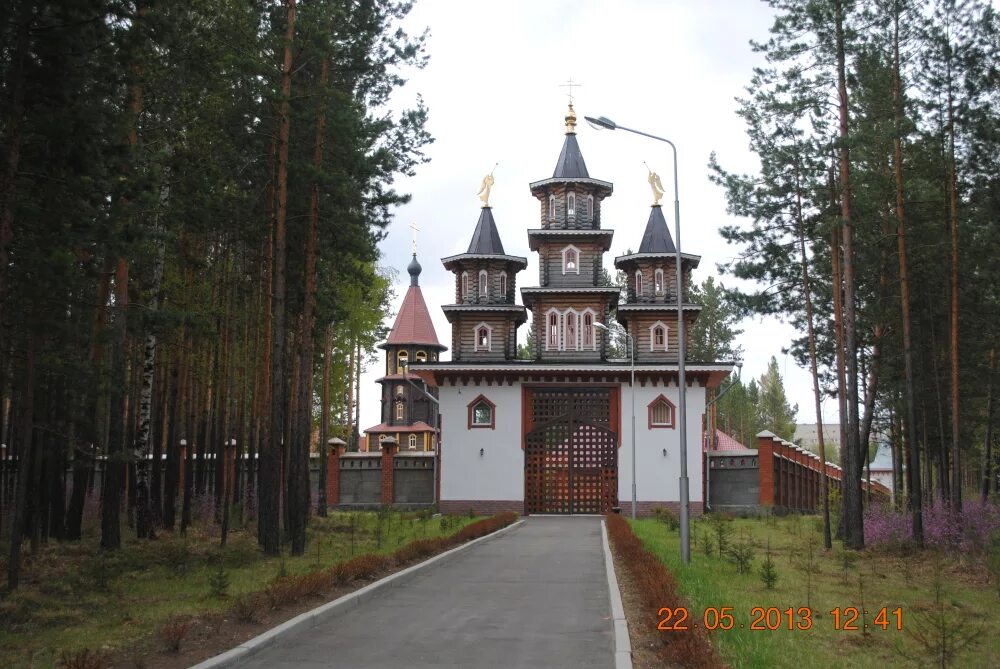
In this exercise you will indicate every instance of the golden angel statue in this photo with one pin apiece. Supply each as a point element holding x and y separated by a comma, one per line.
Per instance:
<point>486,186</point>
<point>655,184</point>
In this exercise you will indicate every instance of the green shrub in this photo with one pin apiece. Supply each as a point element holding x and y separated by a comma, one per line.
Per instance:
<point>667,517</point>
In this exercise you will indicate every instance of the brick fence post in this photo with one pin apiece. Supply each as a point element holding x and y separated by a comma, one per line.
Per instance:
<point>333,476</point>
<point>765,468</point>
<point>387,473</point>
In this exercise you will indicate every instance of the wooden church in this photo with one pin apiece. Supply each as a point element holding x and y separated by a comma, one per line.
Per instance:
<point>552,434</point>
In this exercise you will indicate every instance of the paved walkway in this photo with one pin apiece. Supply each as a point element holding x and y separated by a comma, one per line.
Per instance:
<point>536,596</point>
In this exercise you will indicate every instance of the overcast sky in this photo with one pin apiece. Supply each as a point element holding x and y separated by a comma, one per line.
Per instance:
<point>668,67</point>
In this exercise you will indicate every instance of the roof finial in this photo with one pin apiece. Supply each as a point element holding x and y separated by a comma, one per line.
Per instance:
<point>485,186</point>
<point>655,184</point>
<point>570,114</point>
<point>414,230</point>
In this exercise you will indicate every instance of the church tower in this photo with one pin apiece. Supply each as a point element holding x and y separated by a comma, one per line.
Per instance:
<point>572,295</point>
<point>484,318</point>
<point>650,311</point>
<point>407,413</point>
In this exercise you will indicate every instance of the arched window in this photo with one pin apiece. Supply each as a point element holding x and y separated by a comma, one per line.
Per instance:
<point>658,336</point>
<point>571,331</point>
<point>465,285</point>
<point>401,360</point>
<point>552,207</point>
<point>400,411</point>
<point>571,206</point>
<point>552,338</point>
<point>590,208</point>
<point>571,260</point>
<point>638,284</point>
<point>661,412</point>
<point>484,337</point>
<point>484,283</point>
<point>421,356</point>
<point>503,286</point>
<point>413,442</point>
<point>589,338</point>
<point>658,281</point>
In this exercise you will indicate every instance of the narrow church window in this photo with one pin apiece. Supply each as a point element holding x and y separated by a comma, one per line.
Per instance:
<point>590,207</point>
<point>571,340</point>
<point>401,360</point>
<point>413,442</point>
<point>465,285</point>
<point>661,412</point>
<point>638,283</point>
<point>482,413</point>
<point>588,331</point>
<point>400,411</point>
<point>571,205</point>
<point>421,356</point>
<point>552,207</point>
<point>503,285</point>
<point>483,337</point>
<point>571,260</point>
<point>552,342</point>
<point>658,280</point>
<point>484,283</point>
<point>658,336</point>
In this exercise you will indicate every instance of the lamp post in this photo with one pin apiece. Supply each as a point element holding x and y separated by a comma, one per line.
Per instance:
<point>606,123</point>
<point>631,386</point>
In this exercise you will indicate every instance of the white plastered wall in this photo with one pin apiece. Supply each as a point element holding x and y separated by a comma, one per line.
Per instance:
<point>658,475</point>
<point>498,474</point>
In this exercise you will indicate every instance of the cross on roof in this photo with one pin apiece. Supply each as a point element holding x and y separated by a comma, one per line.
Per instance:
<point>570,84</point>
<point>415,230</point>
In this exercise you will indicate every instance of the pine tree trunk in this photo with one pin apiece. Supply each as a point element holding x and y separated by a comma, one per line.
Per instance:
<point>853,528</point>
<point>141,455</point>
<point>838,328</point>
<point>811,333</point>
<point>270,466</point>
<point>111,538</point>
<point>324,422</point>
<point>988,438</point>
<point>956,459</point>
<point>25,456</point>
<point>914,493</point>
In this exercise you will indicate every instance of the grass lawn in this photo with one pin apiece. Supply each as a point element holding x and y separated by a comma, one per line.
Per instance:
<point>73,597</point>
<point>948,599</point>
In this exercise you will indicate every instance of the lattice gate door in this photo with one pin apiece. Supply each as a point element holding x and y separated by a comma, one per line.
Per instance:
<point>571,454</point>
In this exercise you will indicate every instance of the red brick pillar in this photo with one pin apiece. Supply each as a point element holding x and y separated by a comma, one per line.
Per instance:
<point>333,477</point>
<point>765,468</point>
<point>387,473</point>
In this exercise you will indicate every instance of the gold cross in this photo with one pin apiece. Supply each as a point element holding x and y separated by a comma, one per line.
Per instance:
<point>570,84</point>
<point>415,229</point>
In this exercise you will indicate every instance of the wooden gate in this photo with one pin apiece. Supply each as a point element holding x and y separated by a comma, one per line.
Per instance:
<point>571,452</point>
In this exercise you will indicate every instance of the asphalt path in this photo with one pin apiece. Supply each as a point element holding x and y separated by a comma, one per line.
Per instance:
<point>536,596</point>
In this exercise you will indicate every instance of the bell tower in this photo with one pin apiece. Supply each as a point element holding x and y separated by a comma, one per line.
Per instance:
<point>572,294</point>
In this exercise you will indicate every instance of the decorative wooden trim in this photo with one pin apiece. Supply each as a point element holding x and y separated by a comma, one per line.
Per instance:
<point>649,414</point>
<point>493,413</point>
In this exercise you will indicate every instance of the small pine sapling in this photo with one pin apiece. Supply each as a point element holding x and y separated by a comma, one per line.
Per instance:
<point>218,581</point>
<point>742,554</point>
<point>768,570</point>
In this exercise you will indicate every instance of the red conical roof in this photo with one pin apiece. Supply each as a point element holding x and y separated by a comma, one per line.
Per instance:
<point>413,323</point>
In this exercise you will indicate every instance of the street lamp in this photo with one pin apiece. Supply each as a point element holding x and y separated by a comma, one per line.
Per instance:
<point>606,123</point>
<point>631,386</point>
